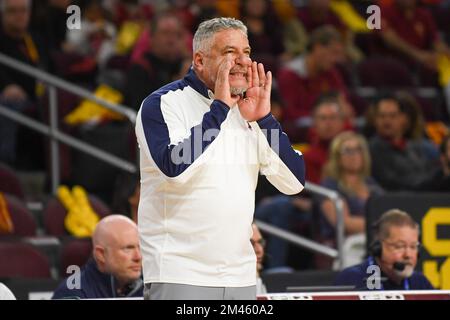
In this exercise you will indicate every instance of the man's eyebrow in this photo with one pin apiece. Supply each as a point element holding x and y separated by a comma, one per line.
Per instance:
<point>234,48</point>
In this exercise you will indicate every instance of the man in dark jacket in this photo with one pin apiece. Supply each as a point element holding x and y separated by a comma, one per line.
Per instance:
<point>115,269</point>
<point>392,259</point>
<point>399,163</point>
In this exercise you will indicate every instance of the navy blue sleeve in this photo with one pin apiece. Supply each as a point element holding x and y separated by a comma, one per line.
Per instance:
<point>172,159</point>
<point>282,146</point>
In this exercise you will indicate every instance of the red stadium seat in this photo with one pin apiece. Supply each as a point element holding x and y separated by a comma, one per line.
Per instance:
<point>22,260</point>
<point>384,72</point>
<point>23,222</point>
<point>54,214</point>
<point>9,182</point>
<point>75,252</point>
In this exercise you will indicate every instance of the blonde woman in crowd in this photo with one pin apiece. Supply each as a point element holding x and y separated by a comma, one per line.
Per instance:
<point>347,172</point>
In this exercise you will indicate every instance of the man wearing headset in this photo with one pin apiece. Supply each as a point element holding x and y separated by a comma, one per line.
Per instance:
<point>393,257</point>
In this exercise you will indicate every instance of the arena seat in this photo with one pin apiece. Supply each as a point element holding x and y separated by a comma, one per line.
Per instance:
<point>23,222</point>
<point>75,252</point>
<point>382,72</point>
<point>9,182</point>
<point>23,260</point>
<point>55,213</point>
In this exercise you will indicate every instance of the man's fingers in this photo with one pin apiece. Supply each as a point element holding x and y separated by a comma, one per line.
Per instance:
<point>224,70</point>
<point>222,87</point>
<point>268,86</point>
<point>261,75</point>
<point>255,78</point>
<point>249,77</point>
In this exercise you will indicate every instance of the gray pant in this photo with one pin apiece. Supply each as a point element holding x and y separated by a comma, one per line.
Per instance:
<point>173,291</point>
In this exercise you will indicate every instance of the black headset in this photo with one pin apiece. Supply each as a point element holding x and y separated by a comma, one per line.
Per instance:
<point>376,249</point>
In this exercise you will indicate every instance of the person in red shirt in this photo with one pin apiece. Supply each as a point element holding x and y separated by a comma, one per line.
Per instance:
<point>411,32</point>
<point>305,78</point>
<point>328,122</point>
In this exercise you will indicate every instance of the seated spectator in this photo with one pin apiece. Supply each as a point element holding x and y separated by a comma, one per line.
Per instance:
<point>302,80</point>
<point>439,180</point>
<point>258,244</point>
<point>115,269</point>
<point>392,260</point>
<point>328,122</point>
<point>18,91</point>
<point>415,124</point>
<point>161,65</point>
<point>347,172</point>
<point>318,13</point>
<point>412,33</point>
<point>398,162</point>
<point>19,43</point>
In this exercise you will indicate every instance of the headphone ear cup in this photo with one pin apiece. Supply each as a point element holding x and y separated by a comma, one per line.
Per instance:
<point>376,249</point>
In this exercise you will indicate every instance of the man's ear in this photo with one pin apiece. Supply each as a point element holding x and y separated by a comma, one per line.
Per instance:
<point>99,254</point>
<point>198,61</point>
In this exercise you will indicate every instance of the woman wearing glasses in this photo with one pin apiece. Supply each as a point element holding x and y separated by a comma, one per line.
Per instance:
<point>347,172</point>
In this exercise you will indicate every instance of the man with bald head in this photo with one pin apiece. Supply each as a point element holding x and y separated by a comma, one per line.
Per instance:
<point>115,270</point>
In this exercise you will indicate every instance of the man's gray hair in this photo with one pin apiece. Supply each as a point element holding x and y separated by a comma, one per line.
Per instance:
<point>207,29</point>
<point>393,217</point>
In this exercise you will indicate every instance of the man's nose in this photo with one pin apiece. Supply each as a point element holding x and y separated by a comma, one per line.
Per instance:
<point>137,254</point>
<point>408,253</point>
<point>244,60</point>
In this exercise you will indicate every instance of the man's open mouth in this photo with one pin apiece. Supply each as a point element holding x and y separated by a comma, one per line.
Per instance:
<point>238,74</point>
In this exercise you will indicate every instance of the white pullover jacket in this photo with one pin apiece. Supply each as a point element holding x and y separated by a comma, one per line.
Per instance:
<point>199,163</point>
